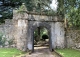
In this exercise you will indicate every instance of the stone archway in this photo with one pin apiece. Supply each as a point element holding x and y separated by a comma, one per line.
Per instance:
<point>33,26</point>
<point>23,24</point>
<point>41,24</point>
<point>26,23</point>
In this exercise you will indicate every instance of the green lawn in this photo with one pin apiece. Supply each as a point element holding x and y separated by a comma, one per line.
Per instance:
<point>9,52</point>
<point>68,52</point>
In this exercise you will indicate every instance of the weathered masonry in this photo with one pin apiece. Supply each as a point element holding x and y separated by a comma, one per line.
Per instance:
<point>24,23</point>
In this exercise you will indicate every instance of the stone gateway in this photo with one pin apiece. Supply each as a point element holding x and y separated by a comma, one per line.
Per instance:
<point>24,23</point>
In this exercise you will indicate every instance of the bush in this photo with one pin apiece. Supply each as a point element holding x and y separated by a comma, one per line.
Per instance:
<point>2,40</point>
<point>10,41</point>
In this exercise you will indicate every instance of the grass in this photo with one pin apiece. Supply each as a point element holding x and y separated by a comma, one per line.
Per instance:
<point>68,52</point>
<point>9,52</point>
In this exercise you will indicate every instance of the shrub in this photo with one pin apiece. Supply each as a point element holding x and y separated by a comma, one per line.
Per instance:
<point>2,40</point>
<point>10,41</point>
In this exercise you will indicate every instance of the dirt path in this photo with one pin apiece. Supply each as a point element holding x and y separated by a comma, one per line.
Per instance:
<point>42,52</point>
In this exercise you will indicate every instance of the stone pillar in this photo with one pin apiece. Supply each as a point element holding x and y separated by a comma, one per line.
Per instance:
<point>30,37</point>
<point>22,34</point>
<point>21,27</point>
<point>59,34</point>
<point>53,38</point>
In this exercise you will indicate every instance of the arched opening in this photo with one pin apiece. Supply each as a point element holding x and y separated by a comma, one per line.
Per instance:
<point>41,38</point>
<point>39,26</point>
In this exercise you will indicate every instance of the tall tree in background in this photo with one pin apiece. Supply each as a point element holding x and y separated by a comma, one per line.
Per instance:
<point>8,5</point>
<point>37,4</point>
<point>6,8</point>
<point>71,11</point>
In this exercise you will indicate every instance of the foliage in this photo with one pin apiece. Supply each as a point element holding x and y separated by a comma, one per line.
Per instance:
<point>71,11</point>
<point>37,4</point>
<point>69,52</point>
<point>74,18</point>
<point>42,32</point>
<point>9,52</point>
<point>10,41</point>
<point>2,40</point>
<point>22,8</point>
<point>7,7</point>
<point>60,9</point>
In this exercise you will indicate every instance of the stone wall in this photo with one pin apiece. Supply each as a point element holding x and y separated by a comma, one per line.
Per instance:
<point>21,39</point>
<point>7,32</point>
<point>59,35</point>
<point>73,38</point>
<point>20,31</point>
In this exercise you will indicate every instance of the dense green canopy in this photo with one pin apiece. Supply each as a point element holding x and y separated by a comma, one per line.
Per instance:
<point>6,8</point>
<point>71,11</point>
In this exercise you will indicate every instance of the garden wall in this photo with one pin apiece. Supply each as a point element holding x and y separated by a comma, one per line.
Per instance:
<point>7,34</point>
<point>7,30</point>
<point>73,38</point>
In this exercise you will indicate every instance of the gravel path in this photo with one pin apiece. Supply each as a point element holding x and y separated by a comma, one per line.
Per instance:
<point>42,52</point>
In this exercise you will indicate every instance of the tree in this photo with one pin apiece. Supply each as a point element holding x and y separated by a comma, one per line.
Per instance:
<point>37,4</point>
<point>8,5</point>
<point>71,11</point>
<point>6,8</point>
